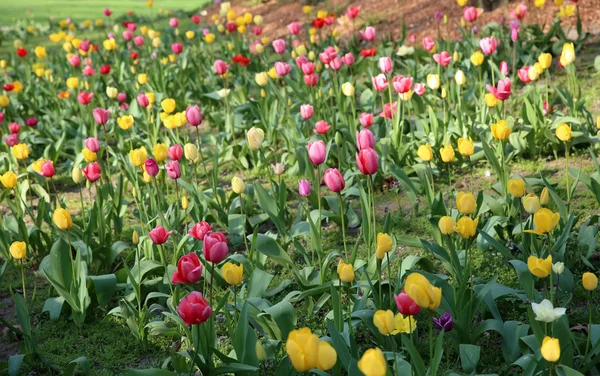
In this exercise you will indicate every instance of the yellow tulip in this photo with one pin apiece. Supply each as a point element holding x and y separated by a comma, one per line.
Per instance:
<point>348,89</point>
<point>190,151</point>
<point>462,3</point>
<point>18,250</point>
<point>185,203</point>
<point>256,137</point>
<point>142,78</point>
<point>8,179</point>
<point>500,130</point>
<point>306,9</point>
<point>466,147</point>
<point>238,185</point>
<point>20,151</point>
<point>138,156</point>
<point>545,220</point>
<point>109,44</point>
<point>477,58</point>
<point>545,60</point>
<point>18,87</point>
<point>261,78</point>
<point>327,356</point>
<point>77,175</point>
<point>516,188</point>
<point>37,165</point>
<point>589,281</point>
<point>384,321</point>
<point>147,178</point>
<point>40,52</point>
<point>425,153</point>
<point>567,56</point>
<point>550,349</point>
<point>373,363</point>
<point>404,324</point>
<point>161,152</point>
<point>460,78</point>
<point>490,100</point>
<point>190,34</point>
<point>433,81</point>
<point>466,203</point>
<point>4,100</point>
<point>345,272</point>
<point>233,273</point>
<point>447,153</point>
<point>539,267</point>
<point>539,3</point>
<point>419,289</point>
<point>150,97</point>
<point>111,92</point>
<point>209,38</point>
<point>563,132</point>
<point>125,122</point>
<point>466,227</point>
<point>446,225</point>
<point>531,203</point>
<point>72,83</point>
<point>384,245</point>
<point>168,105</point>
<point>544,197</point>
<point>88,155</point>
<point>302,348</point>
<point>62,219</point>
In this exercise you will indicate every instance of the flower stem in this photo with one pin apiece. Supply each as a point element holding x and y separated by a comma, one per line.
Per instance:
<point>343,224</point>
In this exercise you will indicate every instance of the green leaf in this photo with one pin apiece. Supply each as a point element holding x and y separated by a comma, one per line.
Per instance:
<point>259,282</point>
<point>469,356</point>
<point>149,372</point>
<point>81,362</point>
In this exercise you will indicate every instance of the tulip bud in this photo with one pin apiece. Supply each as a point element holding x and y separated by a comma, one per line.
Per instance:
<point>237,185</point>
<point>184,203</point>
<point>338,139</point>
<point>190,151</point>
<point>589,281</point>
<point>544,197</point>
<point>558,268</point>
<point>135,237</point>
<point>348,89</point>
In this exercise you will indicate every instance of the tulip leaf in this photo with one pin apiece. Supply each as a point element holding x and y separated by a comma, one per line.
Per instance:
<point>415,357</point>
<point>82,363</point>
<point>469,356</point>
<point>149,372</point>
<point>54,307</point>
<point>258,284</point>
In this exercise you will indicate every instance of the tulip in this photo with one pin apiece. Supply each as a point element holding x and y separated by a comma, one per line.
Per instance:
<point>466,227</point>
<point>306,111</point>
<point>111,92</point>
<point>503,91</point>
<point>567,56</point>
<point>161,152</point>
<point>20,151</point>
<point>282,69</point>
<point>142,100</point>
<point>62,219</point>
<point>523,74</point>
<point>159,235</point>
<point>500,130</point>
<point>190,151</point>
<point>101,116</point>
<point>215,247</point>
<point>255,138</point>
<point>446,224</point>
<point>380,82</point>
<point>385,64</point>
<point>504,68</point>
<point>168,105</point>
<point>193,115</point>
<point>334,180</point>
<point>30,122</point>
<point>531,203</point>
<point>48,169</point>
<point>220,67</point>
<point>12,140</point>
<point>539,267</point>
<point>199,230</point>
<point>279,46</point>
<point>88,71</point>
<point>466,147</point>
<point>488,45</point>
<point>425,153</point>
<point>373,363</point>
<point>366,119</point>
<point>311,79</point>
<point>406,305</point>
<point>232,274</point>
<point>447,154</point>
<point>589,281</point>
<point>304,188</point>
<point>138,156</point>
<point>384,245</point>
<point>477,58</point>
<point>348,89</point>
<point>470,14</point>
<point>173,169</point>
<point>92,172</point>
<point>367,161</point>
<point>550,349</point>
<point>77,175</point>
<point>278,168</point>
<point>8,179</point>
<point>261,354</point>
<point>175,152</point>
<point>558,268</point>
<point>368,33</point>
<point>404,324</point>
<point>402,84</point>
<point>459,78</point>
<point>433,81</point>
<point>545,221</point>
<point>18,250</point>
<point>302,347</point>
<point>546,312</point>
<point>92,144</point>
<point>194,309</point>
<point>261,78</point>
<point>445,322</point>
<point>545,60</point>
<point>428,44</point>
<point>419,289</point>
<point>466,203</point>
<point>365,139</point>
<point>389,110</point>
<point>516,187</point>
<point>544,197</point>
<point>563,132</point>
<point>345,272</point>
<point>189,269</point>
<point>327,357</point>
<point>177,48</point>
<point>321,127</point>
<point>237,185</point>
<point>151,167</point>
<point>384,321</point>
<point>443,58</point>
<point>348,59</point>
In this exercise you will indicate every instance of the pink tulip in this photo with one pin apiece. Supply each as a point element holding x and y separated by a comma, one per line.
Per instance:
<point>151,167</point>
<point>279,46</point>
<point>193,115</point>
<point>523,74</point>
<point>406,305</point>
<point>348,59</point>
<point>93,144</point>
<point>365,139</point>
<point>101,115</point>
<point>402,84</point>
<point>177,48</point>
<point>84,45</point>
<point>189,269</point>
<point>14,127</point>
<point>159,235</point>
<point>131,26</point>
<point>519,12</point>
<point>304,188</point>
<point>1,117</point>
<point>173,22</point>
<point>88,71</point>
<point>127,35</point>
<point>317,152</point>
<point>380,82</point>
<point>488,45</point>
<point>389,111</point>
<point>514,34</point>
<point>75,61</point>
<point>282,69</point>
<point>138,41</point>
<point>294,28</point>
<point>220,67</point>
<point>353,12</point>
<point>385,64</point>
<point>308,68</point>
<point>419,89</point>
<point>502,92</point>
<point>173,169</point>
<point>199,230</point>
<point>47,169</point>
<point>366,119</point>
<point>428,43</point>
<point>336,64</point>
<point>368,33</point>
<point>306,111</point>
<point>367,161</point>
<point>311,79</point>
<point>143,100</point>
<point>12,139</point>
<point>301,60</point>
<point>194,309</point>
<point>470,14</point>
<point>175,152</point>
<point>121,97</point>
<point>215,247</point>
<point>334,180</point>
<point>107,12</point>
<point>443,58</point>
<point>504,68</point>
<point>321,127</point>
<point>92,172</point>
<point>84,97</point>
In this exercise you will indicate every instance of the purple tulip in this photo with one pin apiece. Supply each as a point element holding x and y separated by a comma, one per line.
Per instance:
<point>445,322</point>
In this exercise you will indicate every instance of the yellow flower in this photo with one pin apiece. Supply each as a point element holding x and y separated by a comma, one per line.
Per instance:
<point>466,203</point>
<point>125,122</point>
<point>150,96</point>
<point>238,185</point>
<point>544,197</point>
<point>8,179</point>
<point>404,324</point>
<point>545,221</point>
<point>533,74</point>
<point>568,54</point>
<point>147,178</point>
<point>88,155</point>
<point>500,130</point>
<point>563,132</point>
<point>40,52</point>
<point>327,356</point>
<point>550,349</point>
<point>209,38</point>
<point>138,156</point>
<point>142,78</point>
<point>516,188</point>
<point>433,81</point>
<point>419,289</point>
<point>384,321</point>
<point>232,273</point>
<point>109,44</point>
<point>168,105</point>
<point>589,281</point>
<point>460,78</point>
<point>161,152</point>
<point>462,3</point>
<point>302,348</point>
<point>348,89</point>
<point>77,175</point>
<point>256,137</point>
<point>384,245</point>
<point>18,87</point>
<point>156,42</point>
<point>539,267</point>
<point>111,92</point>
<point>3,64</point>
<point>490,100</point>
<point>345,272</point>
<point>261,78</point>
<point>18,250</point>
<point>466,227</point>
<point>567,11</point>
<point>272,73</point>
<point>62,219</point>
<point>20,151</point>
<point>190,151</point>
<point>306,9</point>
<point>539,3</point>
<point>545,60</point>
<point>425,153</point>
<point>466,147</point>
<point>190,34</point>
<point>373,363</point>
<point>446,225</point>
<point>149,3</point>
<point>477,58</point>
<point>531,203</point>
<point>4,100</point>
<point>37,165</point>
<point>447,153</point>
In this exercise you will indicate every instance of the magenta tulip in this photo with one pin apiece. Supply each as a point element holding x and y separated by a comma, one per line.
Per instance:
<point>173,169</point>
<point>189,269</point>
<point>159,235</point>
<point>367,161</point>
<point>101,115</point>
<point>317,152</point>
<point>215,247</point>
<point>365,139</point>
<point>92,172</point>
<point>199,230</point>
<point>151,167</point>
<point>193,115</point>
<point>194,309</point>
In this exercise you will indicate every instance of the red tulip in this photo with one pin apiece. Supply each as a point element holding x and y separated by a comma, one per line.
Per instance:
<point>105,69</point>
<point>8,87</point>
<point>21,52</point>
<point>353,12</point>
<point>196,19</point>
<point>215,247</point>
<point>334,180</point>
<point>175,152</point>
<point>159,235</point>
<point>367,161</point>
<point>48,169</point>
<point>311,79</point>
<point>177,48</point>
<point>406,305</point>
<point>194,309</point>
<point>14,128</point>
<point>200,230</point>
<point>389,111</point>
<point>92,171</point>
<point>31,122</point>
<point>107,12</point>
<point>502,92</point>
<point>84,97</point>
<point>366,119</point>
<point>189,269</point>
<point>241,60</point>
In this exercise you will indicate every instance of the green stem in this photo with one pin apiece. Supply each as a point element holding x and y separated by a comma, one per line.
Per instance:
<point>23,279</point>
<point>389,267</point>
<point>343,224</point>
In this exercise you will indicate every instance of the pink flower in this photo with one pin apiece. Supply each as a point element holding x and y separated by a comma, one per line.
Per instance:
<point>402,84</point>
<point>194,309</point>
<point>366,119</point>
<point>12,139</point>
<point>294,28</point>
<point>75,61</point>
<point>215,247</point>
<point>193,115</point>
<point>336,64</point>
<point>488,45</point>
<point>88,71</point>
<point>547,109</point>
<point>306,111</point>
<point>419,89</point>
<point>47,169</point>
<point>199,230</point>
<point>389,111</point>
<point>504,68</point>
<point>348,59</point>
<point>317,152</point>
<point>151,167</point>
<point>443,58</point>
<point>174,22</point>
<point>282,69</point>
<point>519,12</point>
<point>84,45</point>
<point>353,12</point>
<point>279,46</point>
<point>322,127</point>
<point>311,79</point>
<point>308,68</point>
<point>93,144</point>
<point>175,152</point>
<point>173,169</point>
<point>127,35</point>
<point>385,64</point>
<point>14,127</point>
<point>177,48</point>
<point>220,67</point>
<point>523,74</point>
<point>380,82</point>
<point>368,33</point>
<point>304,188</point>
<point>92,171</point>
<point>428,43</point>
<point>470,14</point>
<point>514,34</point>
<point>30,122</point>
<point>367,161</point>
<point>101,115</point>
<point>143,100</point>
<point>159,235</point>
<point>301,60</point>
<point>365,139</point>
<point>107,12</point>
<point>84,97</point>
<point>502,92</point>
<point>334,180</point>
<point>406,305</point>
<point>189,269</point>
<point>138,40</point>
